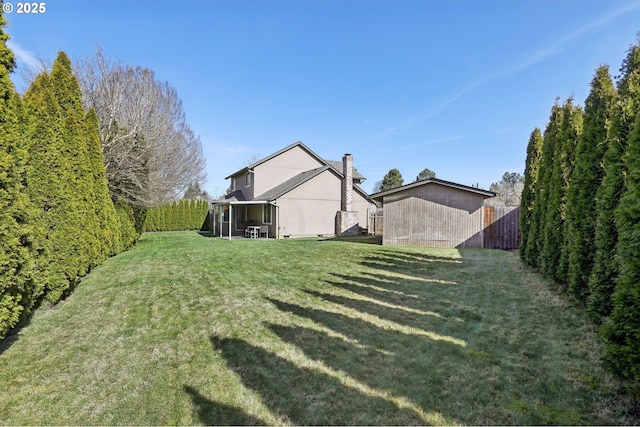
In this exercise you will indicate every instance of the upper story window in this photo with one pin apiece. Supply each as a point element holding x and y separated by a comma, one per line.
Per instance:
<point>248,180</point>
<point>233,184</point>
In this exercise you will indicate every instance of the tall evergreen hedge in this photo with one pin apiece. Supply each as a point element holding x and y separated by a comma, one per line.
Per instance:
<point>604,274</point>
<point>585,180</point>
<point>535,238</point>
<point>581,227</point>
<point>177,216</point>
<point>57,220</point>
<point>553,260</point>
<point>622,330</point>
<point>19,288</point>
<point>532,166</point>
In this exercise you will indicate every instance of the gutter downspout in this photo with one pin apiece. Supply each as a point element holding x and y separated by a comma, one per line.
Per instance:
<point>230,219</point>
<point>277,221</point>
<point>221,216</point>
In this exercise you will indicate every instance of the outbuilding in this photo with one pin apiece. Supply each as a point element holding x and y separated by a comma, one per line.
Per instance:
<point>433,213</point>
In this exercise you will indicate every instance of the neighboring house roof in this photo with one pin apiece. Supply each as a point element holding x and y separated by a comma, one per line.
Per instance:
<point>479,191</point>
<point>298,180</point>
<point>335,164</point>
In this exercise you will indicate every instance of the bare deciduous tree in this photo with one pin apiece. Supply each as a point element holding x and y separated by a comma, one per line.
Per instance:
<point>151,155</point>
<point>508,191</point>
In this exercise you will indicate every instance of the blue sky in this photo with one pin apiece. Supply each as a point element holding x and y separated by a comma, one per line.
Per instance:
<point>455,86</point>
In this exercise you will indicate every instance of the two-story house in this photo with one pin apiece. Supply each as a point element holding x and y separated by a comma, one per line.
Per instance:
<point>294,193</point>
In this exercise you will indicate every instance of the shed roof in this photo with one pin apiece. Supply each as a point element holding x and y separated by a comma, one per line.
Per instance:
<point>484,193</point>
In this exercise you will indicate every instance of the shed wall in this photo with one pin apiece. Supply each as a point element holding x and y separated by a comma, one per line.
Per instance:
<point>433,215</point>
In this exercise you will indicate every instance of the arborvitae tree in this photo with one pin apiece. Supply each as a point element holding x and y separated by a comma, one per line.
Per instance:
<point>552,255</point>
<point>587,175</point>
<point>535,240</point>
<point>605,268</point>
<point>166,217</point>
<point>85,244</point>
<point>128,234</point>
<point>108,231</point>
<point>183,218</point>
<point>622,329</point>
<point>19,287</point>
<point>149,223</point>
<point>391,180</point>
<point>532,166</point>
<point>66,180</point>
<point>202,223</point>
<point>192,210</point>
<point>49,175</point>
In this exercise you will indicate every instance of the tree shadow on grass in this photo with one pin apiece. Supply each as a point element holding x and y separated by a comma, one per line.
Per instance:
<point>416,265</point>
<point>362,239</point>
<point>402,371</point>
<point>403,364</point>
<point>9,340</point>
<point>305,396</point>
<point>414,257</point>
<point>214,413</point>
<point>14,335</point>
<point>416,295</point>
<point>358,330</point>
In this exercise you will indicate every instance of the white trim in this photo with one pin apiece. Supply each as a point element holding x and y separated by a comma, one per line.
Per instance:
<point>243,202</point>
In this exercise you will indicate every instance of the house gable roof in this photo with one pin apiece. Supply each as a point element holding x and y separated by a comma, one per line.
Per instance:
<point>335,164</point>
<point>276,154</point>
<point>292,183</point>
<point>479,191</point>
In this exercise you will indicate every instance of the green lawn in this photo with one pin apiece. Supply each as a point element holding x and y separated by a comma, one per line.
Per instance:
<point>186,329</point>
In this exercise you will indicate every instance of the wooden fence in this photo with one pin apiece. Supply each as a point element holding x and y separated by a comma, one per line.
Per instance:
<point>501,227</point>
<point>376,220</point>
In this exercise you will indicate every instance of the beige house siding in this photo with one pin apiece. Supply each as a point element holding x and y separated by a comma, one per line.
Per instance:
<point>433,215</point>
<point>310,209</point>
<point>362,206</point>
<point>238,182</point>
<point>281,168</point>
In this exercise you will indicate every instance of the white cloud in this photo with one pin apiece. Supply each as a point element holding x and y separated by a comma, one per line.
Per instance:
<point>25,57</point>
<point>561,45</point>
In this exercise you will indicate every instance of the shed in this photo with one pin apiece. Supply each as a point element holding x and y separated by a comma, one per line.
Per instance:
<point>433,213</point>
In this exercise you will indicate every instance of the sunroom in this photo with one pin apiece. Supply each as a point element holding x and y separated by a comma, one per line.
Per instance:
<point>245,219</point>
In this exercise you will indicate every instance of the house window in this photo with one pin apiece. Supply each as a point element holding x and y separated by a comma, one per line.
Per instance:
<point>266,214</point>
<point>233,184</point>
<point>225,213</point>
<point>248,179</point>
